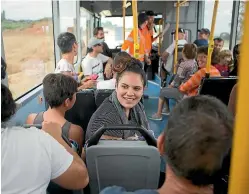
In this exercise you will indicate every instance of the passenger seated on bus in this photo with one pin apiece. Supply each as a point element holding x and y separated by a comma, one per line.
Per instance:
<point>190,88</point>
<point>184,70</point>
<point>69,49</point>
<point>60,93</point>
<point>234,68</point>
<point>195,141</point>
<point>168,54</point>
<point>202,37</point>
<point>98,32</point>
<point>32,157</point>
<point>218,43</point>
<point>119,59</point>
<point>129,42</point>
<point>92,64</point>
<point>225,61</point>
<point>123,106</point>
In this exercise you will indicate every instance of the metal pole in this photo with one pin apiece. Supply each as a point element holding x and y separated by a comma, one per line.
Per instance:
<point>239,176</point>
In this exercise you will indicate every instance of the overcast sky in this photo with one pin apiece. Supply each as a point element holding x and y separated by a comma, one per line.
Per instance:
<point>34,10</point>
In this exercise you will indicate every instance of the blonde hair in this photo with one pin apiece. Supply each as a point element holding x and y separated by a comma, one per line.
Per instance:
<point>224,54</point>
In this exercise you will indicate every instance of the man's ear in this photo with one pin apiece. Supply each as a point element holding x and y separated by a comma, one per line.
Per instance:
<point>67,102</point>
<point>160,143</point>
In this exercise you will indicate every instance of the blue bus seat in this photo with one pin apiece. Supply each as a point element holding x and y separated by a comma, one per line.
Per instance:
<point>219,87</point>
<point>127,163</point>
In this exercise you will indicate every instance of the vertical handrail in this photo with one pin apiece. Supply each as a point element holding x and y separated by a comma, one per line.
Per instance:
<point>211,38</point>
<point>124,13</point>
<point>176,34</point>
<point>239,176</point>
<point>160,37</point>
<point>135,29</point>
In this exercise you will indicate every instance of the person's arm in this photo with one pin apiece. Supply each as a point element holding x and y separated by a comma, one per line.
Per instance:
<point>31,118</point>
<point>193,82</point>
<point>108,67</point>
<point>127,43</point>
<point>68,170</point>
<point>76,134</point>
<point>168,51</point>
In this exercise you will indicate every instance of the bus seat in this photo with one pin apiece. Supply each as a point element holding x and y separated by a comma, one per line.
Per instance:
<point>219,87</point>
<point>101,95</point>
<point>83,109</point>
<point>127,163</point>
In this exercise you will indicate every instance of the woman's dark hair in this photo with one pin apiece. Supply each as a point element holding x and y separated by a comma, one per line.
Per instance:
<point>133,65</point>
<point>7,103</point>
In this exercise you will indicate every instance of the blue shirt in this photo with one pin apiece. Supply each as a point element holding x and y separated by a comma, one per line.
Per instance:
<point>201,42</point>
<point>121,190</point>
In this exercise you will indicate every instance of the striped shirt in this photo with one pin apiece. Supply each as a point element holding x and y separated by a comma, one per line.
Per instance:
<point>107,114</point>
<point>184,71</point>
<point>191,86</point>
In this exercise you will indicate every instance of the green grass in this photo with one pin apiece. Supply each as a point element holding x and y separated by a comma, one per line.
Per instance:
<point>12,25</point>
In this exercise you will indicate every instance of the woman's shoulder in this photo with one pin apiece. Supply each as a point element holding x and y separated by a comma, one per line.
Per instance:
<point>105,110</point>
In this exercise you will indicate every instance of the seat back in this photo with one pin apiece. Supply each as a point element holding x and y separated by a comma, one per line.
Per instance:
<point>83,109</point>
<point>101,95</point>
<point>219,87</point>
<point>130,164</point>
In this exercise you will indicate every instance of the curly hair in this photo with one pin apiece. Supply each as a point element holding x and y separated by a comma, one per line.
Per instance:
<point>131,65</point>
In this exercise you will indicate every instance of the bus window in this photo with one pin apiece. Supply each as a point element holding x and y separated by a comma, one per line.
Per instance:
<point>67,11</point>
<point>86,28</point>
<point>113,28</point>
<point>27,31</point>
<point>223,20</point>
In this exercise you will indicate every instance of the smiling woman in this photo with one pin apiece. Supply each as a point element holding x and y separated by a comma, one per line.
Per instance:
<point>123,106</point>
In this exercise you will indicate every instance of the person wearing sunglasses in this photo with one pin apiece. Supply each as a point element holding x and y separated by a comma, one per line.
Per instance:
<point>93,62</point>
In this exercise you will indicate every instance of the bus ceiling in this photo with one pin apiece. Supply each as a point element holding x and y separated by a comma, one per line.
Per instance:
<point>115,7</point>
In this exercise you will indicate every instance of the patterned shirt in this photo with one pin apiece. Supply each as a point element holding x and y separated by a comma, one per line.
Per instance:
<point>191,86</point>
<point>184,71</point>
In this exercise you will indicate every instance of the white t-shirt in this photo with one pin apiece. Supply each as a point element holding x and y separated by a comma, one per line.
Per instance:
<point>94,65</point>
<point>63,65</point>
<point>30,159</point>
<point>169,64</point>
<point>107,84</point>
<point>171,48</point>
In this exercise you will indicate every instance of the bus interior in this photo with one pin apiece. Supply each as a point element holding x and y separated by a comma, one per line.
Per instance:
<point>29,33</point>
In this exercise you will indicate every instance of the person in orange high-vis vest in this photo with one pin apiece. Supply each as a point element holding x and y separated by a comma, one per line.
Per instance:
<point>129,42</point>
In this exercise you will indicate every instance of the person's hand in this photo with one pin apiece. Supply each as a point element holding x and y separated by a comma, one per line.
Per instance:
<point>88,83</point>
<point>160,35</point>
<point>170,86</point>
<point>53,129</point>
